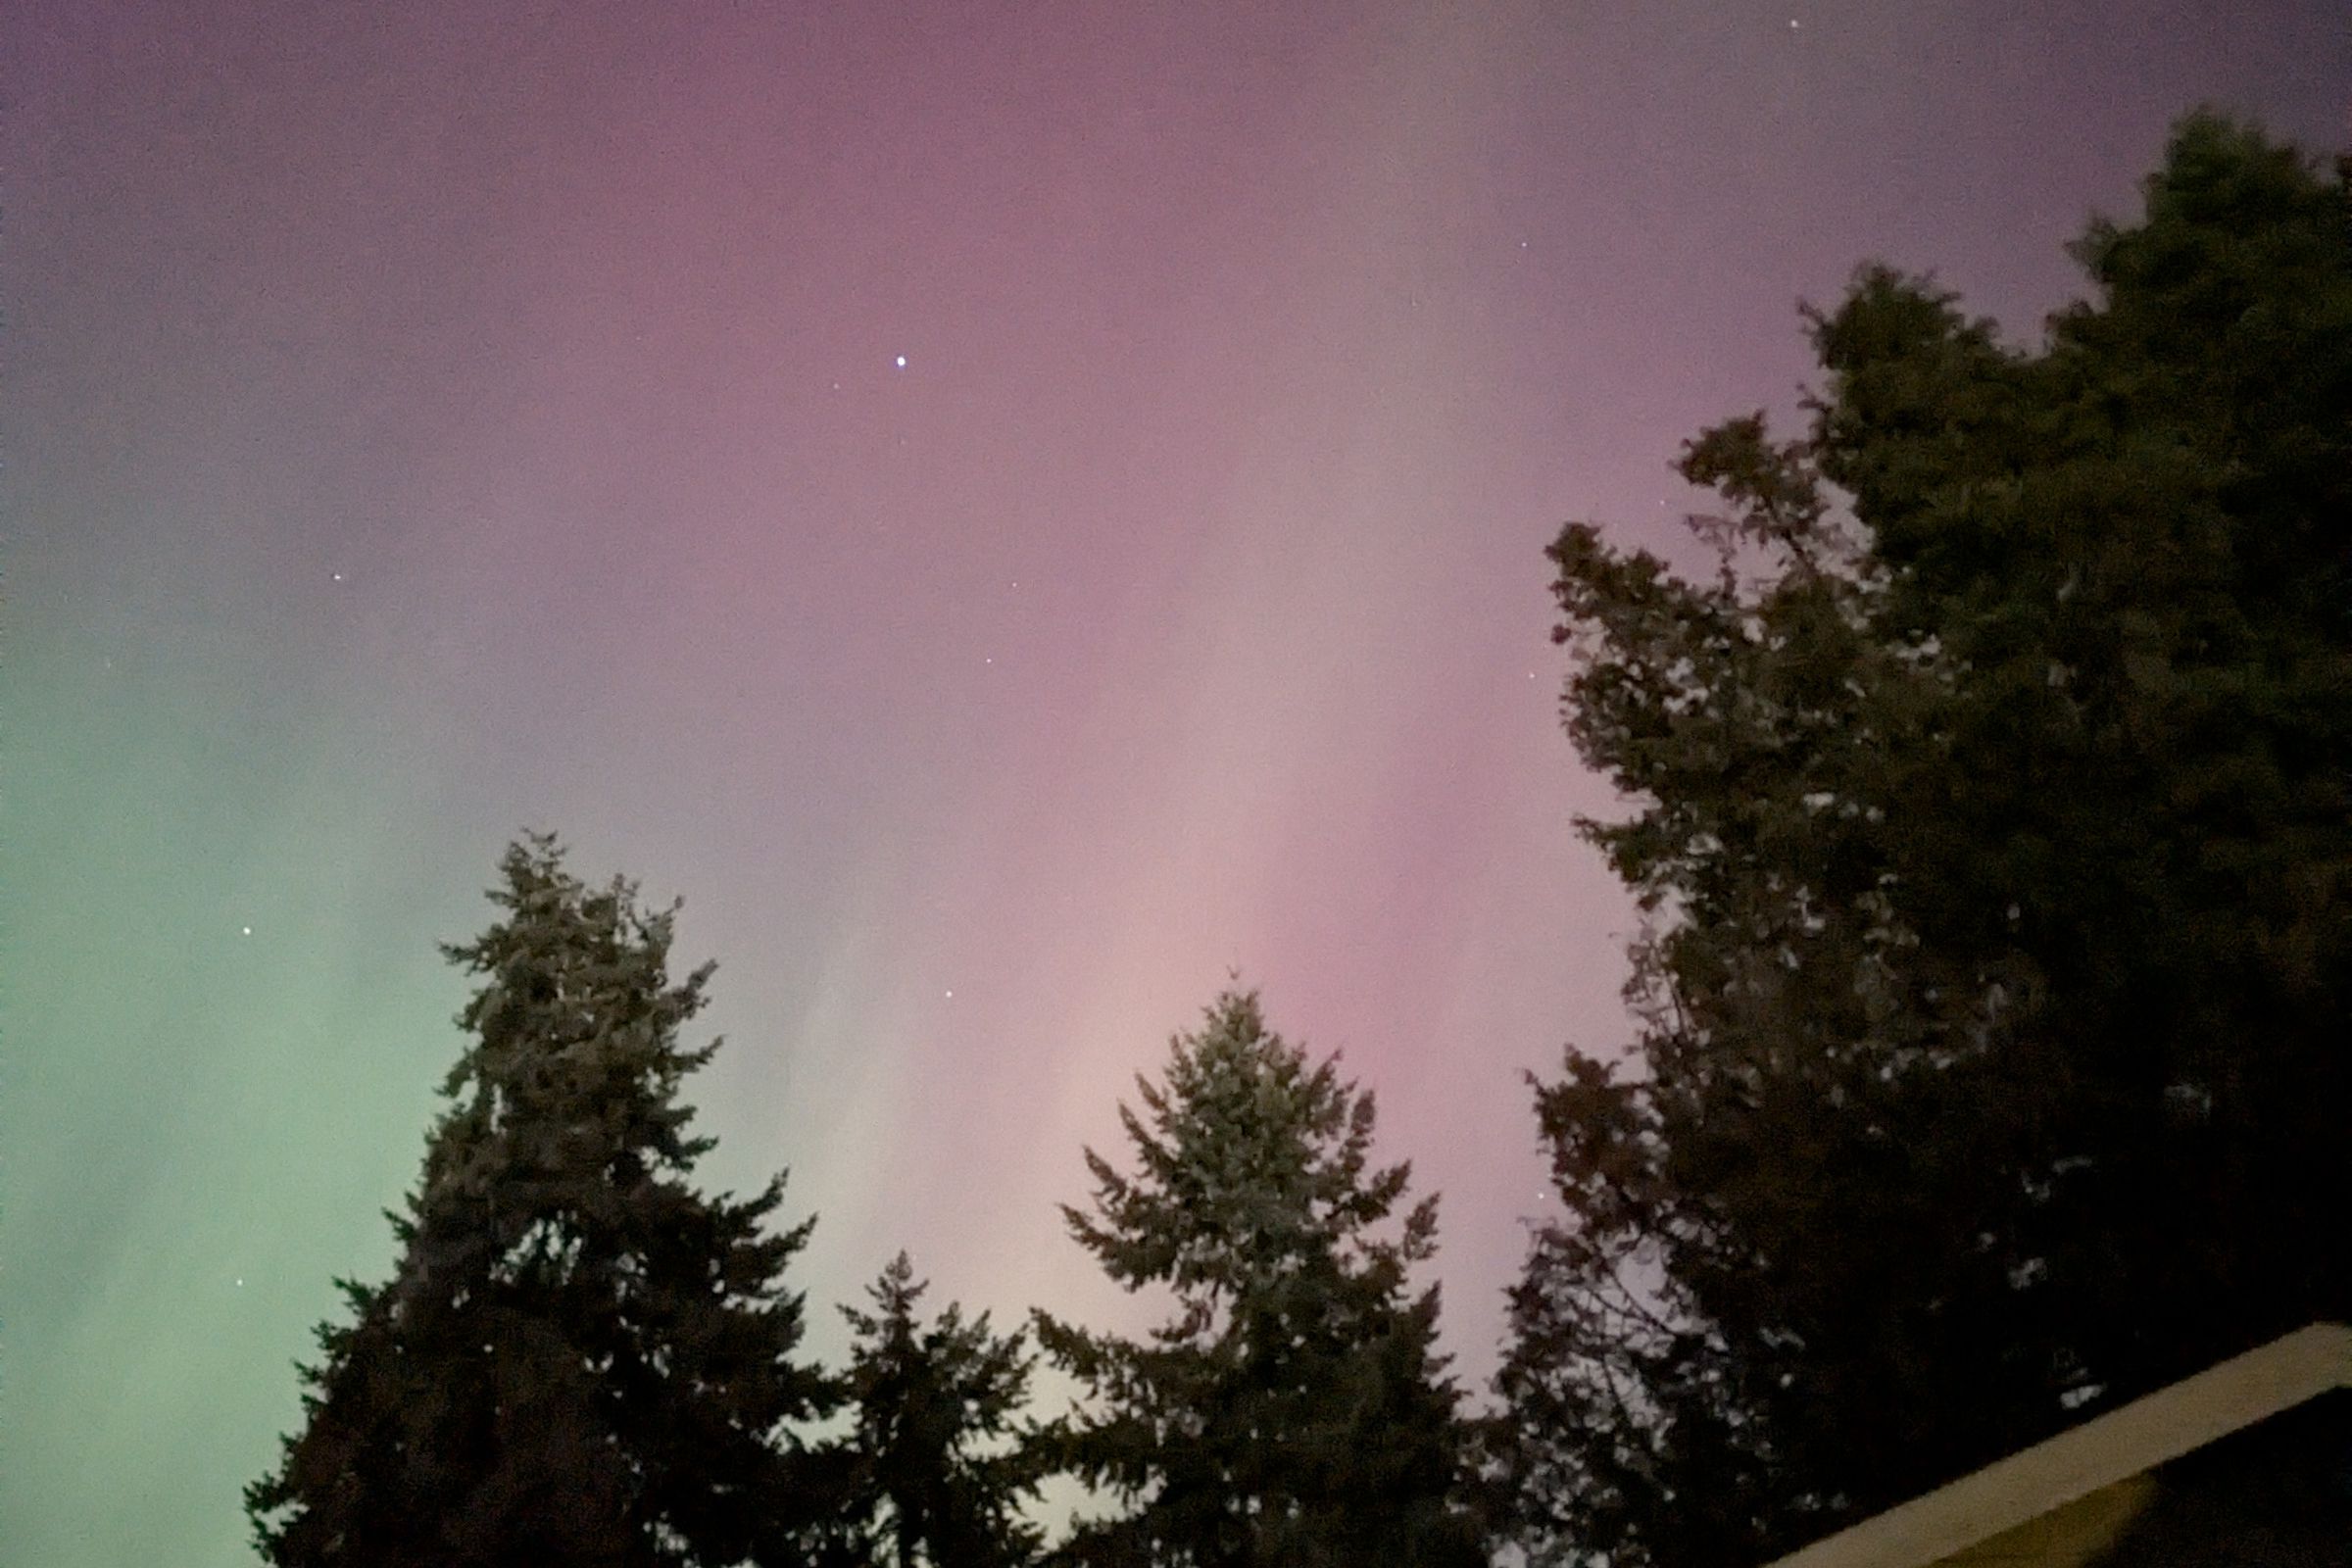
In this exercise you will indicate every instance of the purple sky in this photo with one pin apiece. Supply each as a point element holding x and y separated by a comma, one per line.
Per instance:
<point>427,420</point>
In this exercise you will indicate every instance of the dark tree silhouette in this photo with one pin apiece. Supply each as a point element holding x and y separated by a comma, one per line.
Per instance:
<point>1294,1412</point>
<point>941,1460</point>
<point>579,1359</point>
<point>1993,818</point>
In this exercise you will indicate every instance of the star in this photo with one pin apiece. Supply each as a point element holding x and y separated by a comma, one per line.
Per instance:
<point>338,577</point>
<point>1793,23</point>
<point>950,996</point>
<point>902,361</point>
<point>240,1285</point>
<point>247,930</point>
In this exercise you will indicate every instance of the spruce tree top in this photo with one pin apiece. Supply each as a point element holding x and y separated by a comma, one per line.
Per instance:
<point>941,1460</point>
<point>1254,1162</point>
<point>576,1029</point>
<point>1294,1410</point>
<point>578,1358</point>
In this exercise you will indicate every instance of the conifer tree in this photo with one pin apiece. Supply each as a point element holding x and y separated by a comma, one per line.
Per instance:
<point>1294,1411</point>
<point>1992,810</point>
<point>941,1460</point>
<point>579,1359</point>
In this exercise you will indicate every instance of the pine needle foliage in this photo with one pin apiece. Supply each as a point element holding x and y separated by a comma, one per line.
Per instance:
<point>1991,808</point>
<point>941,1460</point>
<point>579,1359</point>
<point>1294,1410</point>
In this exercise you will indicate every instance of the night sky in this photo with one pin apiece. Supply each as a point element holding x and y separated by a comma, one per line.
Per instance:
<point>1013,511</point>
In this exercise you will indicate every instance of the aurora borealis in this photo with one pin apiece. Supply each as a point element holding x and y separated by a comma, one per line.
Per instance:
<point>1013,511</point>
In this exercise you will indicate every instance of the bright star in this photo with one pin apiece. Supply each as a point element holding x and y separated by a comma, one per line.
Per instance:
<point>902,361</point>
<point>248,930</point>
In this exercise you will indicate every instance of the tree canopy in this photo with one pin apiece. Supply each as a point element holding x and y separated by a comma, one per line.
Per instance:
<point>578,1358</point>
<point>1292,1411</point>
<point>941,1457</point>
<point>1991,814</point>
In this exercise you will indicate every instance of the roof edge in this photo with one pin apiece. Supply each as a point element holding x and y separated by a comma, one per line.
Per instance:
<point>2124,1442</point>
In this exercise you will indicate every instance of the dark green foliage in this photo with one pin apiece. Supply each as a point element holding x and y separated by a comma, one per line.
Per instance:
<point>1294,1410</point>
<point>579,1359</point>
<point>941,1461</point>
<point>1993,818</point>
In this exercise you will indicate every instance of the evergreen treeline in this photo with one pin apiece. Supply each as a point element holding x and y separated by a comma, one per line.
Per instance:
<point>1991,810</point>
